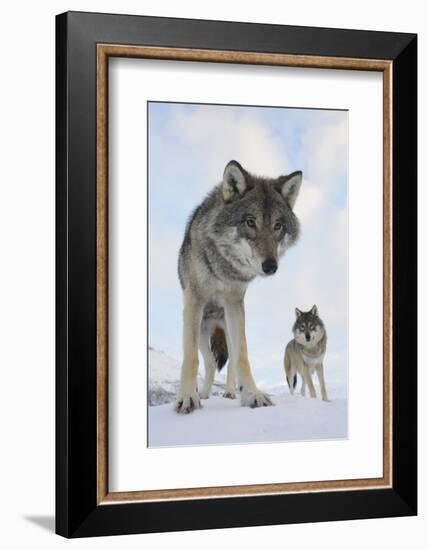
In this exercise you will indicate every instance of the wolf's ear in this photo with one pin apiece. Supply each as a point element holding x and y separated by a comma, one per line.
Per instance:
<point>314,310</point>
<point>298,313</point>
<point>289,187</point>
<point>234,181</point>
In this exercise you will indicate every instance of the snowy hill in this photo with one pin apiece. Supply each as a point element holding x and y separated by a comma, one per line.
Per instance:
<point>164,376</point>
<point>224,421</point>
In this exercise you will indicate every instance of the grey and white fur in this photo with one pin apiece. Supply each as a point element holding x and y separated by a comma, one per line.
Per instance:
<point>238,232</point>
<point>305,353</point>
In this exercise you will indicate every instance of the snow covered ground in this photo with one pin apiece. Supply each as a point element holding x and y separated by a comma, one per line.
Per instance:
<point>224,421</point>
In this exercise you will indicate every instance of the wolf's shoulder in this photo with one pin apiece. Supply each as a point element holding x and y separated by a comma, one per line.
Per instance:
<point>291,346</point>
<point>210,202</point>
<point>198,215</point>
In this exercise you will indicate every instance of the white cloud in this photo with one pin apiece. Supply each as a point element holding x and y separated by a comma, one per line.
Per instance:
<point>309,201</point>
<point>163,256</point>
<point>326,148</point>
<point>220,135</point>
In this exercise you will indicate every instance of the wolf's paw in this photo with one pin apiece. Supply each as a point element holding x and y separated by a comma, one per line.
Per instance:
<point>229,394</point>
<point>204,394</point>
<point>255,399</point>
<point>187,403</point>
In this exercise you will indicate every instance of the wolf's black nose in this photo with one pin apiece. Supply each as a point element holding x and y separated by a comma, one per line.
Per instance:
<point>269,266</point>
<point>308,337</point>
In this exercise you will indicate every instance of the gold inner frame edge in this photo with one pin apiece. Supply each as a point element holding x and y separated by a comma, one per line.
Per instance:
<point>104,51</point>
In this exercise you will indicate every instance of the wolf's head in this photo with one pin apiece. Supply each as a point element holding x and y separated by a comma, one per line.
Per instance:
<point>308,328</point>
<point>259,211</point>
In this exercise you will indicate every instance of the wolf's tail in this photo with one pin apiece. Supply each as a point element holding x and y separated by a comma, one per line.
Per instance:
<point>219,347</point>
<point>294,381</point>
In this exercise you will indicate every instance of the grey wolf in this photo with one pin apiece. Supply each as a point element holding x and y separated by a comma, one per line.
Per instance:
<point>305,353</point>
<point>238,232</point>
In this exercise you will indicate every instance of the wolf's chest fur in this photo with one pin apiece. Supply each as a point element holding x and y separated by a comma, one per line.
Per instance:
<point>310,359</point>
<point>312,355</point>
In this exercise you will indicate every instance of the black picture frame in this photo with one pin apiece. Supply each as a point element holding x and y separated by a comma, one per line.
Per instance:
<point>77,511</point>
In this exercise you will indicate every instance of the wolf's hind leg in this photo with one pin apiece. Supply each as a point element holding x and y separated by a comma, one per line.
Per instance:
<point>303,390</point>
<point>290,373</point>
<point>209,362</point>
<point>188,398</point>
<point>230,392</point>
<point>291,381</point>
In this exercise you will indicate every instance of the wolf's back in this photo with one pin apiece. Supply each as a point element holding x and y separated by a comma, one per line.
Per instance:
<point>194,228</point>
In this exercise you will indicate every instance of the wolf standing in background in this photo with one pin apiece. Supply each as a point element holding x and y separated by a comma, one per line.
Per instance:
<point>239,231</point>
<point>305,353</point>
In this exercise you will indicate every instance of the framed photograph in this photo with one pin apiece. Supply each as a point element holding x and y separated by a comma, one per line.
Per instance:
<point>236,274</point>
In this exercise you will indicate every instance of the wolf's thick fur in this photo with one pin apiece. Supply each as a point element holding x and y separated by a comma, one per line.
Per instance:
<point>305,353</point>
<point>239,231</point>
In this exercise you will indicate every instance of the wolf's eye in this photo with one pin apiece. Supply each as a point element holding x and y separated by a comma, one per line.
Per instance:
<point>277,226</point>
<point>302,328</point>
<point>251,223</point>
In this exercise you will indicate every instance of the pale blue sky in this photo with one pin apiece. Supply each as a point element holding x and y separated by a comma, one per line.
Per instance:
<point>189,146</point>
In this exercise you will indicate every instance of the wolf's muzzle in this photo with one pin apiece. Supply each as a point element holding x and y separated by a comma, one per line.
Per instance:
<point>269,266</point>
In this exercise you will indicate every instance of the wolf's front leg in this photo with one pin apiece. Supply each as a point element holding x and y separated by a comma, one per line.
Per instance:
<point>320,373</point>
<point>188,397</point>
<point>234,311</point>
<point>308,379</point>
